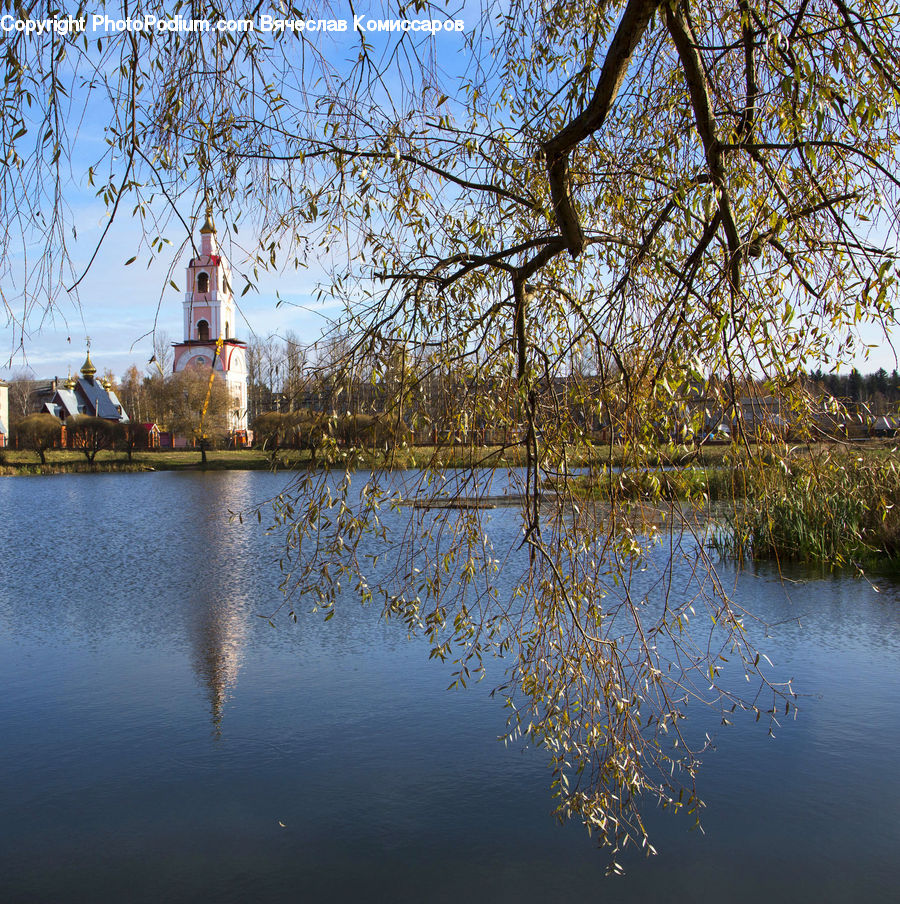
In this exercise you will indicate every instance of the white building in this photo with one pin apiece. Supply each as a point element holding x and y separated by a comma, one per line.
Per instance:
<point>4,414</point>
<point>209,321</point>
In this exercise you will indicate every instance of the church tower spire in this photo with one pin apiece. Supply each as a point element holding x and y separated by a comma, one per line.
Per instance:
<point>209,315</point>
<point>208,240</point>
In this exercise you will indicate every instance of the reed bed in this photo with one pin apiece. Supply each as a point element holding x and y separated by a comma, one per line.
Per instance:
<point>837,510</point>
<point>698,485</point>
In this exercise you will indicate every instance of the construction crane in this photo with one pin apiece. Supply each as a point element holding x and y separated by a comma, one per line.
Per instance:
<point>201,434</point>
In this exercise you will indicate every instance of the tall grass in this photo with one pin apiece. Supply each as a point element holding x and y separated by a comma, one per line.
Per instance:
<point>836,510</point>
<point>696,485</point>
<point>831,508</point>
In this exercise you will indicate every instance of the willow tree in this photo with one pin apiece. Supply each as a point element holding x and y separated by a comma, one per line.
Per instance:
<point>670,191</point>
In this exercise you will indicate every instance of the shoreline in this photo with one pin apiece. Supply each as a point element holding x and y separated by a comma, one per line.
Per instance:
<point>15,463</point>
<point>21,463</point>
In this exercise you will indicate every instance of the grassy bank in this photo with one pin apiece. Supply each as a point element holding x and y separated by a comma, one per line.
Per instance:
<point>14,462</point>
<point>696,464</point>
<point>63,461</point>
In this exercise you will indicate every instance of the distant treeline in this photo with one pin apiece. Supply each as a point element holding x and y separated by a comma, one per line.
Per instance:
<point>879,390</point>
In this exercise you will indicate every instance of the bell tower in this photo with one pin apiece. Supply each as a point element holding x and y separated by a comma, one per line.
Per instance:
<point>209,315</point>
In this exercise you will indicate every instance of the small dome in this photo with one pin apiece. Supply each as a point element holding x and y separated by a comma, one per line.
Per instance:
<point>70,383</point>
<point>87,369</point>
<point>208,226</point>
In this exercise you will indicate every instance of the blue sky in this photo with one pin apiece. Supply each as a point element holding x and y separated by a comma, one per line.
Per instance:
<point>118,306</point>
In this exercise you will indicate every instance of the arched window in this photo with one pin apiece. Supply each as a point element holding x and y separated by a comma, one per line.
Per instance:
<point>203,331</point>
<point>227,330</point>
<point>203,282</point>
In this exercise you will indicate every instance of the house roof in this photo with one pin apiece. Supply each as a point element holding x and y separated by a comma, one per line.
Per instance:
<point>100,403</point>
<point>66,400</point>
<point>88,397</point>
<point>120,408</point>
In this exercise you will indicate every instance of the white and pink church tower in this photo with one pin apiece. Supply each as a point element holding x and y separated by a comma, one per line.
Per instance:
<point>209,314</point>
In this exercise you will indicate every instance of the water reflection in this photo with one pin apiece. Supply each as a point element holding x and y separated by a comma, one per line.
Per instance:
<point>214,564</point>
<point>217,613</point>
<point>154,561</point>
<point>337,762</point>
<point>217,632</point>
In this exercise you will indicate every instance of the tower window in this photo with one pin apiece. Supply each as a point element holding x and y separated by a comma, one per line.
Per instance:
<point>203,282</point>
<point>203,329</point>
<point>227,330</point>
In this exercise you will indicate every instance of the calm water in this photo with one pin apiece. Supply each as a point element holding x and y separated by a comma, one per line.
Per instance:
<point>160,741</point>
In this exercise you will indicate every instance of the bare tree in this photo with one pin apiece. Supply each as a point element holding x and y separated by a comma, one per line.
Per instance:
<point>90,435</point>
<point>131,393</point>
<point>296,362</point>
<point>161,362</point>
<point>21,386</point>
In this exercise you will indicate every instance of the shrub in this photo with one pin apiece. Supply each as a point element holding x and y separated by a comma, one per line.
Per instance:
<point>38,432</point>
<point>91,434</point>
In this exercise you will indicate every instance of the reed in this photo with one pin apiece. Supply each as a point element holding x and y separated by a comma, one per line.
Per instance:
<point>833,508</point>
<point>836,510</point>
<point>697,485</point>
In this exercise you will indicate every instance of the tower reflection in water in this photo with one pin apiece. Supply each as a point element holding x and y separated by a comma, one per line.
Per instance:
<point>218,615</point>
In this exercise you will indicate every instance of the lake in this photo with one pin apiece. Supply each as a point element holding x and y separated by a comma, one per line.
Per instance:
<point>162,742</point>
